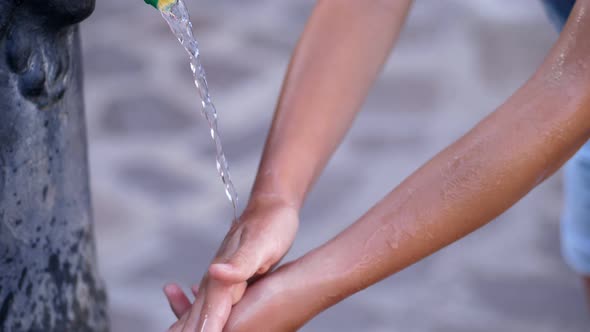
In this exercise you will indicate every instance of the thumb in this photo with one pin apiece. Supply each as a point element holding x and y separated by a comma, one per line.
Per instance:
<point>241,266</point>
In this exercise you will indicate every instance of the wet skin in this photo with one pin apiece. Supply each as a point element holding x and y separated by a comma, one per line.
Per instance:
<point>461,189</point>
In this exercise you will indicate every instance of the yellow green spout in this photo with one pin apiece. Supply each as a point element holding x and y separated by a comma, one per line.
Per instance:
<point>162,5</point>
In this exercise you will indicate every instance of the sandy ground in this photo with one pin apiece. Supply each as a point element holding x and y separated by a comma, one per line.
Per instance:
<point>160,210</point>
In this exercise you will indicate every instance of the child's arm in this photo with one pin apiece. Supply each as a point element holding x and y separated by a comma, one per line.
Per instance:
<point>341,51</point>
<point>459,190</point>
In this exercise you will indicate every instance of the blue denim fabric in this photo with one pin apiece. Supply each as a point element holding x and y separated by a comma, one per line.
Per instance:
<point>575,221</point>
<point>558,11</point>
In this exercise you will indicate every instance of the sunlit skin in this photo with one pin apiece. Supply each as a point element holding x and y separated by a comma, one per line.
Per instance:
<point>462,188</point>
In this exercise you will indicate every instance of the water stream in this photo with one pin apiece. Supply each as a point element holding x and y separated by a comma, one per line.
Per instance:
<point>177,17</point>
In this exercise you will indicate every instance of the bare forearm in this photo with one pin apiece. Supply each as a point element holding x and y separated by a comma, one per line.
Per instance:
<point>463,187</point>
<point>341,51</point>
<point>457,192</point>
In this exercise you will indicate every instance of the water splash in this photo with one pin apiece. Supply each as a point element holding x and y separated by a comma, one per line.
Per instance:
<point>177,17</point>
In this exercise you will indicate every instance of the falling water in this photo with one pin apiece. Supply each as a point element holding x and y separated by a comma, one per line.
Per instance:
<point>179,21</point>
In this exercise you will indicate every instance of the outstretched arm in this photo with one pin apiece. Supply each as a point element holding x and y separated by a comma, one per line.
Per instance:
<point>462,188</point>
<point>341,51</point>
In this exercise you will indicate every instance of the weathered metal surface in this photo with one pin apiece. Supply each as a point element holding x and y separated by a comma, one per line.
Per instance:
<point>48,272</point>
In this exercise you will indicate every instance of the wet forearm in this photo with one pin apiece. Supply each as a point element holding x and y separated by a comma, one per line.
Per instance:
<point>460,190</point>
<point>463,187</point>
<point>341,51</point>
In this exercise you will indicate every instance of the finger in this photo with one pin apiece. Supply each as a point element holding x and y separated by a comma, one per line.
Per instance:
<point>214,311</point>
<point>178,325</point>
<point>238,291</point>
<point>195,310</point>
<point>195,290</point>
<point>178,301</point>
<point>175,327</point>
<point>242,265</point>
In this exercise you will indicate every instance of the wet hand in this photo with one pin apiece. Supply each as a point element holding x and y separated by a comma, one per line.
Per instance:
<point>256,243</point>
<point>269,305</point>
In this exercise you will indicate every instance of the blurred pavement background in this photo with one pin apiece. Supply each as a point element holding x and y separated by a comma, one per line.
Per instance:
<point>160,210</point>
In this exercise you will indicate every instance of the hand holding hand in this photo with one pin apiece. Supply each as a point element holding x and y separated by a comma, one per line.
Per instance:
<point>258,241</point>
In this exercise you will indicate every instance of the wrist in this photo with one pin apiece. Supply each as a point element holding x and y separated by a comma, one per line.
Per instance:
<point>289,287</point>
<point>270,189</point>
<point>265,210</point>
<point>308,286</point>
<point>266,200</point>
<point>273,304</point>
<point>328,274</point>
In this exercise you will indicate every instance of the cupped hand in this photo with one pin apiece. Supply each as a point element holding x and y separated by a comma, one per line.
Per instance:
<point>258,241</point>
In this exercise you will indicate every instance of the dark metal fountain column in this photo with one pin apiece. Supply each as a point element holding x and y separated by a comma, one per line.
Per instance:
<point>48,272</point>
